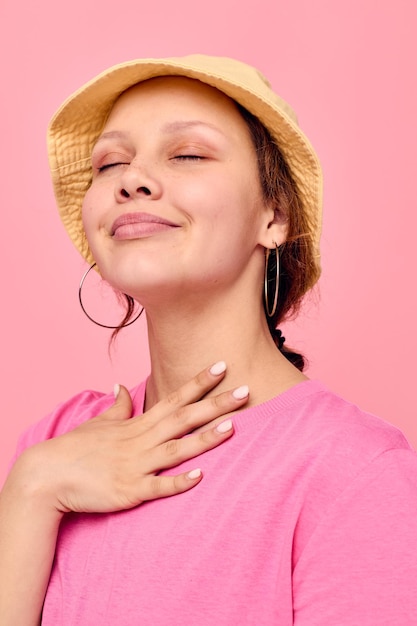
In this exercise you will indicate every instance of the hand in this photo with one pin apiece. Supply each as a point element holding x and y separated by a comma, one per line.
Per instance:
<point>111,462</point>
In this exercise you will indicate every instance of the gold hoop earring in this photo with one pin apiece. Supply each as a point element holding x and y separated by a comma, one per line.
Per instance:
<point>271,268</point>
<point>89,316</point>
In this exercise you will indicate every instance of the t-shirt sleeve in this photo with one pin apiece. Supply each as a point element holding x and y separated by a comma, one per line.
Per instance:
<point>359,567</point>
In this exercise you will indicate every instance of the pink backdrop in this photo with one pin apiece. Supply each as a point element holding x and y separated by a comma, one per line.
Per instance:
<point>349,70</point>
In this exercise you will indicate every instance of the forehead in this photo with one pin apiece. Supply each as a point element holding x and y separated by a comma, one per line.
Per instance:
<point>176,97</point>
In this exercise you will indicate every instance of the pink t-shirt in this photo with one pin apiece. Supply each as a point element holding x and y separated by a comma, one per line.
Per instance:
<point>306,516</point>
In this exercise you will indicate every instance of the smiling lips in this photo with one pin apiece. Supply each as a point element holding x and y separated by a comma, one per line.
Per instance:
<point>137,225</point>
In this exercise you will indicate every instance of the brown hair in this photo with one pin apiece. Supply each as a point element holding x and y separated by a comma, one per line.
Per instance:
<point>298,269</point>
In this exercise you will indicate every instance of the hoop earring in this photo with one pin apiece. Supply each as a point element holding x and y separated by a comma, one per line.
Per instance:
<point>270,312</point>
<point>89,316</point>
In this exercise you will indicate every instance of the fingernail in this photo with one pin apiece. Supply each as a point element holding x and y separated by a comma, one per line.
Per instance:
<point>241,392</point>
<point>195,473</point>
<point>218,368</point>
<point>225,426</point>
<point>116,390</point>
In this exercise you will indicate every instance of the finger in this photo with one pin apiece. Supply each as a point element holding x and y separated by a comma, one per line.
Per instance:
<point>165,486</point>
<point>177,451</point>
<point>191,391</point>
<point>186,419</point>
<point>122,407</point>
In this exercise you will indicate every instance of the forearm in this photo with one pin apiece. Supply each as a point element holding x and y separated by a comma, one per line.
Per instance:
<point>28,532</point>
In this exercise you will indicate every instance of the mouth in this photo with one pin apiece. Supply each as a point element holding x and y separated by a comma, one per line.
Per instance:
<point>137,225</point>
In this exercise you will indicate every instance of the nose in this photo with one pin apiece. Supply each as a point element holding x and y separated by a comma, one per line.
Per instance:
<point>136,182</point>
<point>140,190</point>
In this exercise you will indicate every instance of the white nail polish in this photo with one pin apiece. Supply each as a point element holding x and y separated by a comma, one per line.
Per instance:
<point>195,473</point>
<point>116,390</point>
<point>225,426</point>
<point>241,392</point>
<point>218,368</point>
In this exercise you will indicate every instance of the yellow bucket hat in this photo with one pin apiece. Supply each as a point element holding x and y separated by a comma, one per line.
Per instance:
<point>78,123</point>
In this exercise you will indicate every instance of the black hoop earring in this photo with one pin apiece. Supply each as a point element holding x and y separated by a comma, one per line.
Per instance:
<point>271,311</point>
<point>89,316</point>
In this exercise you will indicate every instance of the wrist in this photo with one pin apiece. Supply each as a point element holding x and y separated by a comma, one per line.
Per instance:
<point>31,483</point>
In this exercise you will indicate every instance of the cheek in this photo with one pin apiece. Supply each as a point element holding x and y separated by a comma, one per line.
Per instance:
<point>86,214</point>
<point>91,222</point>
<point>90,212</point>
<point>211,199</point>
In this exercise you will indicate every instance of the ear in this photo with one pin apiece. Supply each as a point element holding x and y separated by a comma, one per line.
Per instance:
<point>274,229</point>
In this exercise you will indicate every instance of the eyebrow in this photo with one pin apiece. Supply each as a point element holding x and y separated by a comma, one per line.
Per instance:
<point>173,127</point>
<point>169,128</point>
<point>111,134</point>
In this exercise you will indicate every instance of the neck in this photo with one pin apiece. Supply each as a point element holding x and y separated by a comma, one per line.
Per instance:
<point>184,341</point>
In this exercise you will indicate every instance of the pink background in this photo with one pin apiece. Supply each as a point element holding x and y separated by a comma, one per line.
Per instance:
<point>348,68</point>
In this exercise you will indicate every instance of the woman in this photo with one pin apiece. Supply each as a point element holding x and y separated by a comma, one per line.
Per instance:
<point>190,186</point>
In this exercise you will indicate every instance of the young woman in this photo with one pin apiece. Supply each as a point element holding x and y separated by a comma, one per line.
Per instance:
<point>189,185</point>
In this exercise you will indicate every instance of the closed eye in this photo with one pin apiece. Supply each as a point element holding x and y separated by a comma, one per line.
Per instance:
<point>188,157</point>
<point>107,166</point>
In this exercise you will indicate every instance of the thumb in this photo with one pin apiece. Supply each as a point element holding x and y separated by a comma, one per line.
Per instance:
<point>122,407</point>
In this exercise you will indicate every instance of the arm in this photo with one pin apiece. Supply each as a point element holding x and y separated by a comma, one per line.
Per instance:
<point>109,463</point>
<point>28,531</point>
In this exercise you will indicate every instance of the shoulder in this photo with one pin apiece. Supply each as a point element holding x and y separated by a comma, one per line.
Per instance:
<point>322,445</point>
<point>68,415</point>
<point>314,422</point>
<point>338,441</point>
<point>325,420</point>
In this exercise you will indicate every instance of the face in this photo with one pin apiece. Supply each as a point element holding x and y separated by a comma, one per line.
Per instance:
<point>175,202</point>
